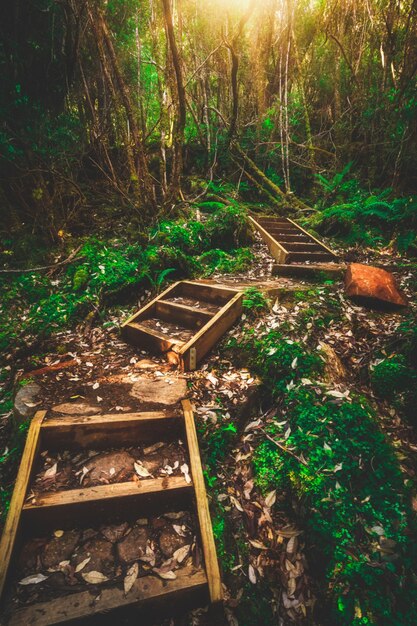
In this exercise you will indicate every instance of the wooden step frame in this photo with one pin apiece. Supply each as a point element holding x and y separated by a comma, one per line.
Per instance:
<point>273,232</point>
<point>209,327</point>
<point>199,586</point>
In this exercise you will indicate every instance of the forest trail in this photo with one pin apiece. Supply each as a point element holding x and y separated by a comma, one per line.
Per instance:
<point>113,459</point>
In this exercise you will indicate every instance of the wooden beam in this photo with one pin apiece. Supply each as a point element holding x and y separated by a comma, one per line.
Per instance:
<point>181,313</point>
<point>145,337</point>
<point>146,310</point>
<point>210,293</point>
<point>146,590</point>
<point>277,251</point>
<point>209,548</point>
<point>98,431</point>
<point>207,336</point>
<point>12,526</point>
<point>83,506</point>
<point>314,238</point>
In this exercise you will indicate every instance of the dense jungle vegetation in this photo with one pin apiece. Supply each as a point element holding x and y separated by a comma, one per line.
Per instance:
<point>136,137</point>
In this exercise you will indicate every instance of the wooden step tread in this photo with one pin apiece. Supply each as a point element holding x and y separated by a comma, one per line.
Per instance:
<point>132,489</point>
<point>147,589</point>
<point>188,316</point>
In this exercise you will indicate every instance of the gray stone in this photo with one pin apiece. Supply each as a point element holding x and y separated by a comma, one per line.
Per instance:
<point>163,390</point>
<point>109,467</point>
<point>76,408</point>
<point>100,553</point>
<point>60,549</point>
<point>26,401</point>
<point>170,541</point>
<point>133,546</point>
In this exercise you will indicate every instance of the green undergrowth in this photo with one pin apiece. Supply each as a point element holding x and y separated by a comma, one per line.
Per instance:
<point>353,215</point>
<point>36,304</point>
<point>344,473</point>
<point>393,376</point>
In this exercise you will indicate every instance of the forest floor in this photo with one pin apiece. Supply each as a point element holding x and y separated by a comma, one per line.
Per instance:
<point>260,537</point>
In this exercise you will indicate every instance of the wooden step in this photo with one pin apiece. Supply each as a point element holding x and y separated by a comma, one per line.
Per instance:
<point>201,326</point>
<point>187,316</point>
<point>148,593</point>
<point>143,337</point>
<point>313,270</point>
<point>91,507</point>
<point>94,431</point>
<point>284,245</point>
<point>302,246</point>
<point>309,256</point>
<point>59,509</point>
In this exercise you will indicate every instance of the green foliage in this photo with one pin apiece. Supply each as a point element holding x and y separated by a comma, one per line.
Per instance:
<point>255,302</point>
<point>227,263</point>
<point>371,220</point>
<point>392,376</point>
<point>358,518</point>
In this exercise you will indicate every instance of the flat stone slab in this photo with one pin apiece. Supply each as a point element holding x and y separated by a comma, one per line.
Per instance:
<point>76,408</point>
<point>163,390</point>
<point>133,546</point>
<point>60,549</point>
<point>108,467</point>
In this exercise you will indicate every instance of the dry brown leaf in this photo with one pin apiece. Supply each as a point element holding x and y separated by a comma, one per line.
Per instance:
<point>130,578</point>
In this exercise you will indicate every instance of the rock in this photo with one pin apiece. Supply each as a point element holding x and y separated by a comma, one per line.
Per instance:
<point>169,541</point>
<point>372,284</point>
<point>147,364</point>
<point>333,366</point>
<point>101,555</point>
<point>29,557</point>
<point>114,533</point>
<point>26,401</point>
<point>60,549</point>
<point>132,547</point>
<point>109,467</point>
<point>76,408</point>
<point>164,390</point>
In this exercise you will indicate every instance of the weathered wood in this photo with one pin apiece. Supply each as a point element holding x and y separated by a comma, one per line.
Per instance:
<point>329,270</point>
<point>204,340</point>
<point>190,582</point>
<point>315,239</point>
<point>184,315</point>
<point>288,242</point>
<point>277,251</point>
<point>146,310</point>
<point>145,337</point>
<point>309,256</point>
<point>12,526</point>
<point>207,538</point>
<point>210,293</point>
<point>83,506</point>
<point>98,431</point>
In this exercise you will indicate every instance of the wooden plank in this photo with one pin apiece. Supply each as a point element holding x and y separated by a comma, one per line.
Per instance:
<point>146,310</point>
<point>209,548</point>
<point>97,431</point>
<point>309,256</point>
<point>207,336</point>
<point>277,251</point>
<point>314,238</point>
<point>12,526</point>
<point>330,270</point>
<point>210,293</point>
<point>190,582</point>
<point>142,336</point>
<point>181,313</point>
<point>83,506</point>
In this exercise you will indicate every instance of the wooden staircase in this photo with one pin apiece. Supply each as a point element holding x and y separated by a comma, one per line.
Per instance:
<point>86,507</point>
<point>184,321</point>
<point>289,243</point>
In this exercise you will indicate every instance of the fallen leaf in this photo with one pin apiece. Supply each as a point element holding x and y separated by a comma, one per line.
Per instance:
<point>58,533</point>
<point>271,498</point>
<point>81,565</point>
<point>170,575</point>
<point>94,578</point>
<point>50,473</point>
<point>130,578</point>
<point>34,579</point>
<point>142,471</point>
<point>180,554</point>
<point>252,574</point>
